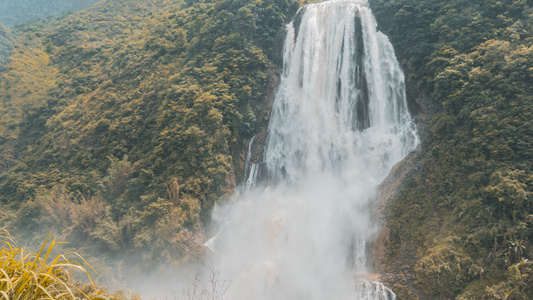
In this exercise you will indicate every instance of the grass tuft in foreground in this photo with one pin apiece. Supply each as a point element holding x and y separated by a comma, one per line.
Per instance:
<point>25,275</point>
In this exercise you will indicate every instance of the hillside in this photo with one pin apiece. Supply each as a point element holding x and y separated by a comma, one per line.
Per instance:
<point>124,123</point>
<point>462,228</point>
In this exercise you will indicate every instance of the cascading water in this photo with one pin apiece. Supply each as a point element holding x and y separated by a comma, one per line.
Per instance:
<point>339,123</point>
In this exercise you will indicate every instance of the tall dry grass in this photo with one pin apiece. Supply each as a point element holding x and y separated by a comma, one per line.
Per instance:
<point>25,275</point>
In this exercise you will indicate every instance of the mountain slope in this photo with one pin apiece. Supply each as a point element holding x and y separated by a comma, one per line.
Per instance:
<point>121,126</point>
<point>463,224</point>
<point>124,122</point>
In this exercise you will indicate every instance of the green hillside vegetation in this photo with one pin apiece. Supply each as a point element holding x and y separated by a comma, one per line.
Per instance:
<point>463,226</point>
<point>122,125</point>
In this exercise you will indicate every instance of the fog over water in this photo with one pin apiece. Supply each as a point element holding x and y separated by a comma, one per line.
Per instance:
<point>300,225</point>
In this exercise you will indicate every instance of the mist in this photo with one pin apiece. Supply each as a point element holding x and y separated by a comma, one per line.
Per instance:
<point>339,123</point>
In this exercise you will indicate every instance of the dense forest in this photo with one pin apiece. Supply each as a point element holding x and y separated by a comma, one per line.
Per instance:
<point>463,226</point>
<point>123,124</point>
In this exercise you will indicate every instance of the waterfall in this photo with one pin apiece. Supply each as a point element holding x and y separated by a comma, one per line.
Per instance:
<point>339,123</point>
<point>250,169</point>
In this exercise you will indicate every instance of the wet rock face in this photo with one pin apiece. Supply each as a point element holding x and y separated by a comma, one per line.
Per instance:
<point>262,112</point>
<point>392,273</point>
<point>388,190</point>
<point>6,45</point>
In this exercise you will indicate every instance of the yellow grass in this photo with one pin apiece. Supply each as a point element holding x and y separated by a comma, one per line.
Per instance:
<point>26,276</point>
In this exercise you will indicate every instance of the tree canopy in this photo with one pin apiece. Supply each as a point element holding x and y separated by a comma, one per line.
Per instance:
<point>471,197</point>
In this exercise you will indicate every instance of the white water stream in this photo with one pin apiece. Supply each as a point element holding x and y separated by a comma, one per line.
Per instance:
<point>339,123</point>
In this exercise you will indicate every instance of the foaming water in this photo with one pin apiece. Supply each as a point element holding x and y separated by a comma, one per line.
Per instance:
<point>339,123</point>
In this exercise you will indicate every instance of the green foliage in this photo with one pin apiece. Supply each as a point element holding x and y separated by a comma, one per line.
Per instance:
<point>443,271</point>
<point>120,124</point>
<point>474,180</point>
<point>517,284</point>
